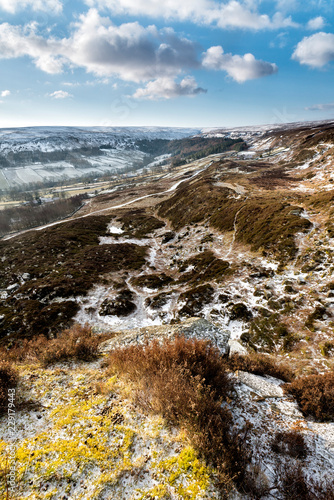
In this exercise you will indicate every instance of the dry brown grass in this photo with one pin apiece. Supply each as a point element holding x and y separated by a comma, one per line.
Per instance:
<point>260,364</point>
<point>77,343</point>
<point>315,395</point>
<point>186,382</point>
<point>295,485</point>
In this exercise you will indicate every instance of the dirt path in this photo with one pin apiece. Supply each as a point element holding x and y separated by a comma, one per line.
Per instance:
<point>234,231</point>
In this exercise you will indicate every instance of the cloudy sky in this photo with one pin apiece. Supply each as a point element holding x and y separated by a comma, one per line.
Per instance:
<point>195,63</point>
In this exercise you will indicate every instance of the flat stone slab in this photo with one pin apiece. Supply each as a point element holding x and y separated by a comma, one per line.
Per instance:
<point>261,385</point>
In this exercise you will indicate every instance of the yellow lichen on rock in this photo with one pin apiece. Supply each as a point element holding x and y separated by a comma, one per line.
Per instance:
<point>78,442</point>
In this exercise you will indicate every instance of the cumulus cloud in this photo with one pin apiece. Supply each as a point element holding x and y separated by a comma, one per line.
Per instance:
<point>167,88</point>
<point>240,68</point>
<point>317,23</point>
<point>60,94</point>
<point>315,50</point>
<point>5,93</point>
<point>232,14</point>
<point>286,5</point>
<point>321,107</point>
<point>129,51</point>
<point>13,6</point>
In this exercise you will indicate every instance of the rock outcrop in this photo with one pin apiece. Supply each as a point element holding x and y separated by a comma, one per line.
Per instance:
<point>191,328</point>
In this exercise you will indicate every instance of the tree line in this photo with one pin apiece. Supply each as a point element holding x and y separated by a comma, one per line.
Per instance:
<point>36,213</point>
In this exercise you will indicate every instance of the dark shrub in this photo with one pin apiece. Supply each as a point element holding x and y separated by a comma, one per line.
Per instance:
<point>318,314</point>
<point>327,348</point>
<point>269,333</point>
<point>290,443</point>
<point>293,484</point>
<point>195,299</point>
<point>240,311</point>
<point>152,280</point>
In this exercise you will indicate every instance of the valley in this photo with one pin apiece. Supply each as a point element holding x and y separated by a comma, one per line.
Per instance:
<point>241,240</point>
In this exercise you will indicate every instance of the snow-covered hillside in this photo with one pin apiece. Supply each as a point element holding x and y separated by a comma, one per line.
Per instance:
<point>39,155</point>
<point>48,139</point>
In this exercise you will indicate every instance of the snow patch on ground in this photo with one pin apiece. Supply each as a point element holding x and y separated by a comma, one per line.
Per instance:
<point>114,230</point>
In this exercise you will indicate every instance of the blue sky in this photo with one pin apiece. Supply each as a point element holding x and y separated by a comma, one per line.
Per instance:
<point>197,63</point>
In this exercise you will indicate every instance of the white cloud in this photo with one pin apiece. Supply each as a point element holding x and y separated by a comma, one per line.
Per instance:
<point>130,52</point>
<point>317,23</point>
<point>315,50</point>
<point>13,6</point>
<point>232,14</point>
<point>321,107</point>
<point>18,42</point>
<point>167,88</point>
<point>287,5</point>
<point>60,94</point>
<point>240,68</point>
<point>5,93</point>
<point>71,84</point>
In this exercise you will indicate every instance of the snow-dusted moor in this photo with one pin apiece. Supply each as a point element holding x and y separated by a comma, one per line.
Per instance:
<point>167,313</point>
